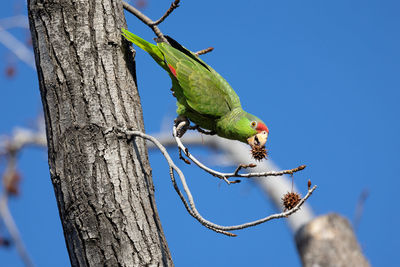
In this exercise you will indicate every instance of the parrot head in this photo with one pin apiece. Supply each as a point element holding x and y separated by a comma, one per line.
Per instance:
<point>252,130</point>
<point>258,139</point>
<point>260,133</point>
<point>245,127</point>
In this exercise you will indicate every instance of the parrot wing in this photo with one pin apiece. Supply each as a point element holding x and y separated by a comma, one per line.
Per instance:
<point>205,91</point>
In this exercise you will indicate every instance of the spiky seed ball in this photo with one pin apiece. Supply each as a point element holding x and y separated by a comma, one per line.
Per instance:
<point>290,200</point>
<point>258,152</point>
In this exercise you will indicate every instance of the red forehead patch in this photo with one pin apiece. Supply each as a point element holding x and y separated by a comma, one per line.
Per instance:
<point>262,127</point>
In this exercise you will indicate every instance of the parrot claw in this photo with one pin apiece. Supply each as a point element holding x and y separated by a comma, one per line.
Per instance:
<point>202,131</point>
<point>182,124</point>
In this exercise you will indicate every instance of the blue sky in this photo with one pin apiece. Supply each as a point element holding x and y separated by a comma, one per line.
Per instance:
<point>323,75</point>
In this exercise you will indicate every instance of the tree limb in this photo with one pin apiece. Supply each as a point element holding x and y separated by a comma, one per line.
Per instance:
<point>153,24</point>
<point>146,20</point>
<point>190,204</point>
<point>173,6</point>
<point>225,176</point>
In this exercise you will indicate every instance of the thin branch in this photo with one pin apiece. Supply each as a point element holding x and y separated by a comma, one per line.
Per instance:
<point>225,176</point>
<point>146,20</point>
<point>191,208</point>
<point>138,14</point>
<point>13,230</point>
<point>204,51</point>
<point>233,155</point>
<point>173,6</point>
<point>9,148</point>
<point>182,158</point>
<point>190,205</point>
<point>22,138</point>
<point>271,217</point>
<point>153,24</point>
<point>17,47</point>
<point>244,166</point>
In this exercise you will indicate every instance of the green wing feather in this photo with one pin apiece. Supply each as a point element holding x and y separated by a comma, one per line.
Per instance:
<point>200,88</point>
<point>203,89</point>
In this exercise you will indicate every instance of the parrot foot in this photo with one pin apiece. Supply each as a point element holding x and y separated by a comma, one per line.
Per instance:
<point>200,130</point>
<point>182,124</point>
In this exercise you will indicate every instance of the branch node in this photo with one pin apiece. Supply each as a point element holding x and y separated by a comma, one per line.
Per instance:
<point>244,166</point>
<point>146,20</point>
<point>226,180</point>
<point>173,6</point>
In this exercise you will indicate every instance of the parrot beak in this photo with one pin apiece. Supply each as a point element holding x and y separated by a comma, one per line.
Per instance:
<point>258,140</point>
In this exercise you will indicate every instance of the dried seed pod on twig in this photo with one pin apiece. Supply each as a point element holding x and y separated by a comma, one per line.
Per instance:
<point>290,200</point>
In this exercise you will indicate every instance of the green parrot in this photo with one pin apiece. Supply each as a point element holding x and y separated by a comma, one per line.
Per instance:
<point>203,96</point>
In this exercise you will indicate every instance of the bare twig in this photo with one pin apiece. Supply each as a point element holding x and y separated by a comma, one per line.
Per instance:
<point>9,187</point>
<point>191,208</point>
<point>17,47</point>
<point>13,230</point>
<point>182,158</point>
<point>225,176</point>
<point>204,51</point>
<point>232,154</point>
<point>9,148</point>
<point>22,138</point>
<point>190,205</point>
<point>244,166</point>
<point>173,6</point>
<point>146,20</point>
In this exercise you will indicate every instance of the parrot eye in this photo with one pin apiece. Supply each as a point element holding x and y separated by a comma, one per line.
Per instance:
<point>253,124</point>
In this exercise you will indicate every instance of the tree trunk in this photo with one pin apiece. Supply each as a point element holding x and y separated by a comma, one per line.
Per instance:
<point>329,241</point>
<point>102,182</point>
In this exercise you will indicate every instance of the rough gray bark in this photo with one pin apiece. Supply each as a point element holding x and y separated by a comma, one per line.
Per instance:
<point>329,241</point>
<point>102,183</point>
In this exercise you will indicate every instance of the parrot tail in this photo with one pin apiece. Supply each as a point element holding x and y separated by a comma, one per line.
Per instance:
<point>153,50</point>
